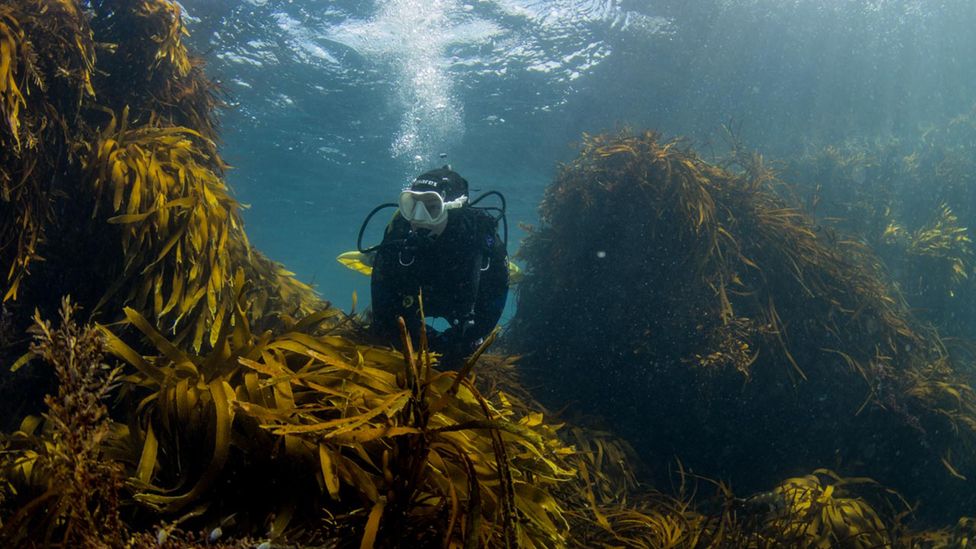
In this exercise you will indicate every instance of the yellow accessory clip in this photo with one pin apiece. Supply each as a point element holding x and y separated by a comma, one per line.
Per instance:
<point>363,264</point>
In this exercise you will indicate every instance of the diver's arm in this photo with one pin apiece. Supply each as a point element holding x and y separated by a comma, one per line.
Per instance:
<point>467,252</point>
<point>493,293</point>
<point>389,288</point>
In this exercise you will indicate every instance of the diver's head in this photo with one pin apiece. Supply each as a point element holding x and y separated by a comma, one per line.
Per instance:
<point>426,202</point>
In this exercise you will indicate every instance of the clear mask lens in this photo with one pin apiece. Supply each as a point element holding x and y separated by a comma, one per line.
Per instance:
<point>421,207</point>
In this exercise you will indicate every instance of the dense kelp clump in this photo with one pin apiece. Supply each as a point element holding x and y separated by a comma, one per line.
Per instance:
<point>46,64</point>
<point>68,494</point>
<point>726,328</point>
<point>135,163</point>
<point>267,430</point>
<point>304,437</point>
<point>912,200</point>
<point>111,188</point>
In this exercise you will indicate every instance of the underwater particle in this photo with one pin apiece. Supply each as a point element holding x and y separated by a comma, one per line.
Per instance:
<point>600,254</point>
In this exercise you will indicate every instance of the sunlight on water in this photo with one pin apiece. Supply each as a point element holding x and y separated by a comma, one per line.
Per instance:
<point>410,38</point>
<point>431,63</point>
<point>432,115</point>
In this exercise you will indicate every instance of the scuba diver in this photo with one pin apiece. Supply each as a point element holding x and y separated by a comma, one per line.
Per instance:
<point>441,246</point>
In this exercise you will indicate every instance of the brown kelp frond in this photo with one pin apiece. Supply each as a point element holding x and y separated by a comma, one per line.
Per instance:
<point>389,445</point>
<point>148,39</point>
<point>276,298</point>
<point>750,163</point>
<point>910,198</point>
<point>498,376</point>
<point>730,346</point>
<point>13,48</point>
<point>952,405</point>
<point>606,464</point>
<point>821,509</point>
<point>178,222</point>
<point>165,23</point>
<point>962,534</point>
<point>730,230</point>
<point>128,178</point>
<point>182,236</point>
<point>642,156</point>
<point>940,252</point>
<point>945,241</point>
<point>231,424</point>
<point>42,45</point>
<point>46,65</point>
<point>661,523</point>
<point>731,234</point>
<point>67,492</point>
<point>639,517</point>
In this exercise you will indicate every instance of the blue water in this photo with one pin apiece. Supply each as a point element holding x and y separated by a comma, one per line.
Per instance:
<point>333,106</point>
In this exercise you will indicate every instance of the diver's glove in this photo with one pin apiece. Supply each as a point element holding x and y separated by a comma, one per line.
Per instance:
<point>462,326</point>
<point>455,344</point>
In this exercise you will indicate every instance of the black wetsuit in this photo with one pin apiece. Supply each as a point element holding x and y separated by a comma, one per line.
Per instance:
<point>463,274</point>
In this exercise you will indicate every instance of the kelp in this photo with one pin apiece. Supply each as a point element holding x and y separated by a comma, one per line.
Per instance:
<point>935,260</point>
<point>911,199</point>
<point>257,413</point>
<point>47,59</point>
<point>298,436</point>
<point>181,233</point>
<point>720,318</point>
<point>135,163</point>
<point>60,491</point>
<point>819,510</point>
<point>147,47</point>
<point>387,444</point>
<point>943,240</point>
<point>176,218</point>
<point>962,534</point>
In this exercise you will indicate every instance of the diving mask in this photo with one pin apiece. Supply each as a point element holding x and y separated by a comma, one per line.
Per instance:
<point>427,209</point>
